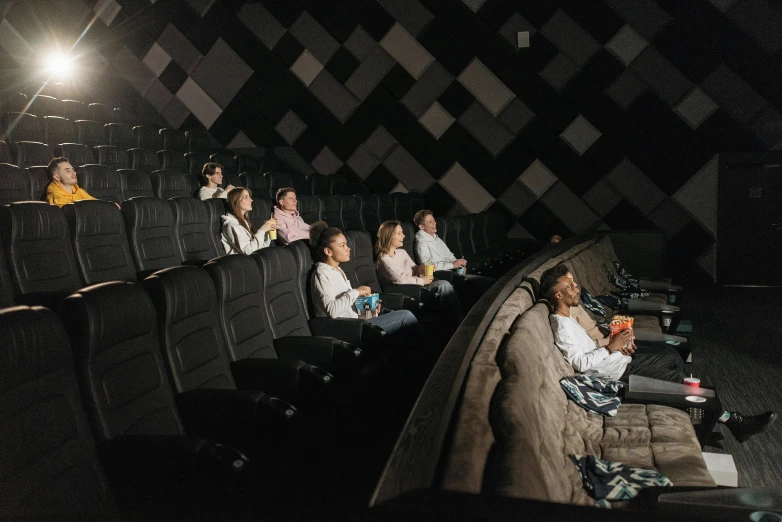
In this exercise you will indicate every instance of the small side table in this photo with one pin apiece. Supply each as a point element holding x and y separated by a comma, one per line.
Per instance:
<point>704,415</point>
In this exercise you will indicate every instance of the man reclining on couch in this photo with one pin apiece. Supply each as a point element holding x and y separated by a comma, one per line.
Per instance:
<point>620,358</point>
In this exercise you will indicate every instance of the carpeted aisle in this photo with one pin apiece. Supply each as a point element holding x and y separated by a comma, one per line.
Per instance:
<point>737,345</point>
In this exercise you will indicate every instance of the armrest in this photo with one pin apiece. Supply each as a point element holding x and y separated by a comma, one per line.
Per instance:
<point>647,308</point>
<point>654,337</point>
<point>325,352</point>
<point>291,380</point>
<point>400,302</point>
<point>445,275</point>
<point>233,415</point>
<point>656,286</point>
<point>159,472</point>
<point>354,331</point>
<point>413,291</point>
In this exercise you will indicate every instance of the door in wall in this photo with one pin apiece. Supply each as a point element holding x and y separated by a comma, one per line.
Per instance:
<point>749,222</point>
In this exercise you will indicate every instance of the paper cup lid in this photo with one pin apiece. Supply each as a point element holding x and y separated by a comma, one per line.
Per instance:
<point>694,398</point>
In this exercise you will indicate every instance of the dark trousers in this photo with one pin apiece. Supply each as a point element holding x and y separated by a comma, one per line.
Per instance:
<point>658,362</point>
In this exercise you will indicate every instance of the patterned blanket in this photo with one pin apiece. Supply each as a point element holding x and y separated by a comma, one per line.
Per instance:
<point>605,481</point>
<point>595,395</point>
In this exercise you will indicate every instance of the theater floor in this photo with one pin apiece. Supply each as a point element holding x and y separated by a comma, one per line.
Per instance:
<point>736,340</point>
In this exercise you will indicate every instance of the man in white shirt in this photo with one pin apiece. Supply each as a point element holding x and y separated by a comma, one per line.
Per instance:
<point>213,173</point>
<point>430,249</point>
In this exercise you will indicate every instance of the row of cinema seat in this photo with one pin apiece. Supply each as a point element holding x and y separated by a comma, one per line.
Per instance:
<point>93,241</point>
<point>171,370</point>
<point>42,105</point>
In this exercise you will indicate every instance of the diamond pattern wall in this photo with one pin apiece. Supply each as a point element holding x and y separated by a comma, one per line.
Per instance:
<point>611,117</point>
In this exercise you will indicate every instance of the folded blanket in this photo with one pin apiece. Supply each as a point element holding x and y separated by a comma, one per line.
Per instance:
<point>593,305</point>
<point>627,285</point>
<point>595,395</point>
<point>605,481</point>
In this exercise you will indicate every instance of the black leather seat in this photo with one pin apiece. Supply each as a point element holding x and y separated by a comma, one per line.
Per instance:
<point>50,463</point>
<point>120,135</point>
<point>195,162</point>
<point>351,212</point>
<point>14,102</point>
<point>247,163</point>
<point>101,182</point>
<point>135,184</point>
<point>147,138</point>
<point>39,180</point>
<point>144,160</point>
<point>193,230</point>
<point>174,139</point>
<point>58,130</point>
<point>309,208</point>
<point>478,263</point>
<point>150,225</point>
<point>32,153</point>
<point>172,159</point>
<point>256,182</point>
<point>76,153</point>
<point>114,157</point>
<point>100,112</point>
<point>6,286</point>
<point>37,246</point>
<point>193,345</point>
<point>18,126</point>
<point>132,409</point>
<point>124,116</point>
<point>75,110</point>
<point>170,184</point>
<point>90,133</point>
<point>46,106</point>
<point>230,169</point>
<point>261,212</point>
<point>369,213</point>
<point>14,184</point>
<point>215,208</point>
<point>5,153</point>
<point>100,243</point>
<point>301,183</point>
<point>276,181</point>
<point>320,185</point>
<point>494,229</point>
<point>331,211</point>
<point>386,208</point>
<point>198,141</point>
<point>408,244</point>
<point>404,208</point>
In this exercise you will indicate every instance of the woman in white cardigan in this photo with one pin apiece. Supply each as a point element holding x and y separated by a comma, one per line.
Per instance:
<point>238,234</point>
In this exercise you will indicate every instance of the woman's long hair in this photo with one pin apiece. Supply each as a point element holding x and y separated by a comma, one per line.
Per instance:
<point>322,236</point>
<point>385,240</point>
<point>233,207</point>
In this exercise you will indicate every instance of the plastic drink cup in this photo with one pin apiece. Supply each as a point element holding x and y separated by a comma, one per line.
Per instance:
<point>273,234</point>
<point>692,381</point>
<point>461,270</point>
<point>429,270</point>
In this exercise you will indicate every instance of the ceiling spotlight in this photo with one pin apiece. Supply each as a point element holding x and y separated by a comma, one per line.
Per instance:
<point>57,64</point>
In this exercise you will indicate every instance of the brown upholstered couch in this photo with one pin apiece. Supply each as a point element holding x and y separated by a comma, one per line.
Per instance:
<point>514,427</point>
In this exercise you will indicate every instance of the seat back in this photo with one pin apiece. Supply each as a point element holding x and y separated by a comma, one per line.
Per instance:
<point>170,184</point>
<point>362,264</point>
<point>19,126</point>
<point>495,227</point>
<point>50,463</point>
<point>256,182</point>
<point>276,181</point>
<point>124,116</point>
<point>301,183</point>
<point>76,153</point>
<point>5,153</point>
<point>261,212</point>
<point>39,180</point>
<point>281,297</point>
<point>32,153</point>
<point>195,162</point>
<point>46,106</point>
<point>99,112</point>
<point>38,249</point>
<point>151,226</point>
<point>408,244</point>
<point>144,160</point>
<point>369,214</point>
<point>243,317</point>
<point>101,182</point>
<point>226,159</point>
<point>147,138</point>
<point>193,184</point>
<point>309,208</point>
<point>416,202</point>
<point>172,159</point>
<point>90,133</point>
<point>386,207</point>
<point>193,229</point>
<point>119,365</point>
<point>58,130</point>
<point>135,184</point>
<point>331,211</point>
<point>189,328</point>
<point>302,254</point>
<point>247,163</point>
<point>320,185</point>
<point>75,110</point>
<point>351,212</point>
<point>198,141</point>
<point>112,156</point>
<point>448,230</point>
<point>465,224</point>
<point>14,184</point>
<point>6,286</point>
<point>14,102</point>
<point>120,135</point>
<point>215,208</point>
<point>404,209</point>
<point>100,243</point>
<point>174,139</point>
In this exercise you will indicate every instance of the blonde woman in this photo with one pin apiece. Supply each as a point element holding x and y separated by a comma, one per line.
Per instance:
<point>238,234</point>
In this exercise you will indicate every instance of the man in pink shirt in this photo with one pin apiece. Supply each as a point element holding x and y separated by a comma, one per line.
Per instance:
<point>290,226</point>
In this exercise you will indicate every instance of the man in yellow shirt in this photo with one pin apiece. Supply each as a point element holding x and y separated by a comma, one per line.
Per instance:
<point>62,188</point>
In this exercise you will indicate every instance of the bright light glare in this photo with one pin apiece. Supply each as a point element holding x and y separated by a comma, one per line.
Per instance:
<point>57,64</point>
